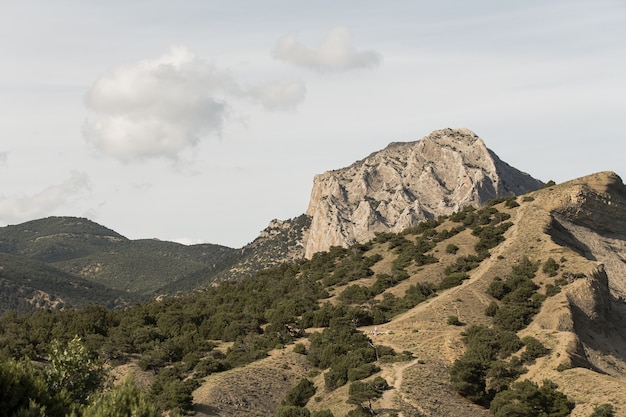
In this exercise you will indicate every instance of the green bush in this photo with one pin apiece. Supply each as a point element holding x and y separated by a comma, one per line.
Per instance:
<point>550,267</point>
<point>452,280</point>
<point>322,413</point>
<point>604,410</point>
<point>299,348</point>
<point>527,399</point>
<point>491,309</point>
<point>452,248</point>
<point>122,401</point>
<point>300,394</point>
<point>362,372</point>
<point>534,349</point>
<point>552,290</point>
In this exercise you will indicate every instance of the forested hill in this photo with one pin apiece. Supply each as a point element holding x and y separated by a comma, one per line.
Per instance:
<point>78,253</point>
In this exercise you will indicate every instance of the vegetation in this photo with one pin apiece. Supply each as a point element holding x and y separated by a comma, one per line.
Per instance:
<point>526,398</point>
<point>485,373</point>
<point>604,410</point>
<point>174,338</point>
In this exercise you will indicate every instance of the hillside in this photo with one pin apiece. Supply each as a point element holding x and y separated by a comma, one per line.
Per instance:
<point>70,250</point>
<point>441,319</point>
<point>581,325</point>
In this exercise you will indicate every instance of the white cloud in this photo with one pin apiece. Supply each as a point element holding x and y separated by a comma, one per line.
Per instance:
<point>159,107</point>
<point>155,107</point>
<point>27,207</point>
<point>335,53</point>
<point>4,156</point>
<point>277,95</point>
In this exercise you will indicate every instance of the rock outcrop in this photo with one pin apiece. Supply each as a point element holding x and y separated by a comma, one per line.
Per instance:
<point>406,183</point>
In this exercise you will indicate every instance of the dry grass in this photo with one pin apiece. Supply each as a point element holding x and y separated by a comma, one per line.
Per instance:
<point>421,387</point>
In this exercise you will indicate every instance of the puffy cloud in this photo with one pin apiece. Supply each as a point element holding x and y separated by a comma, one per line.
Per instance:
<point>155,107</point>
<point>158,108</point>
<point>277,95</point>
<point>335,53</point>
<point>21,208</point>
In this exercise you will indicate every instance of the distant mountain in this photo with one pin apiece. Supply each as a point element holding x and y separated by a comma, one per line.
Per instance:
<point>406,183</point>
<point>27,284</point>
<point>70,250</point>
<point>388,191</point>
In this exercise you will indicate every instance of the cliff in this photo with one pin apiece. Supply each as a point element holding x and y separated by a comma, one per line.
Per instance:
<point>406,183</point>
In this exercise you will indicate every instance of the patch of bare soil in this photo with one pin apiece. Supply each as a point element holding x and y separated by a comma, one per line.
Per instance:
<point>253,390</point>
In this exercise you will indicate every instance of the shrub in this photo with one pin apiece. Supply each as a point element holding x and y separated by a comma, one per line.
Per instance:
<point>322,413</point>
<point>123,400</point>
<point>452,248</point>
<point>491,309</point>
<point>454,321</point>
<point>498,289</point>
<point>511,202</point>
<point>604,410</point>
<point>534,349</point>
<point>526,398</point>
<point>299,348</point>
<point>362,372</point>
<point>550,267</point>
<point>552,290</point>
<point>453,280</point>
<point>300,394</point>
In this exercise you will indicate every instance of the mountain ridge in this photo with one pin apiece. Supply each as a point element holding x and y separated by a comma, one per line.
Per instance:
<point>420,292</point>
<point>405,183</point>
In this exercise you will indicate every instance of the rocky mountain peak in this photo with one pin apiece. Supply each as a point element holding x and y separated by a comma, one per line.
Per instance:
<point>406,183</point>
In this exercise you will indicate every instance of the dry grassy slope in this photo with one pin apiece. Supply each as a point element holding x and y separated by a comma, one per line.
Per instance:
<point>584,325</point>
<point>576,324</point>
<point>253,390</point>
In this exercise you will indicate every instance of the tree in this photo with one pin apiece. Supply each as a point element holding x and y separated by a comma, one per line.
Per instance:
<point>125,400</point>
<point>365,392</point>
<point>527,399</point>
<point>23,391</point>
<point>72,372</point>
<point>468,378</point>
<point>300,394</point>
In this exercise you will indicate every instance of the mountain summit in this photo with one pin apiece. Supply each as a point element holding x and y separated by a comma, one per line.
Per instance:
<point>406,183</point>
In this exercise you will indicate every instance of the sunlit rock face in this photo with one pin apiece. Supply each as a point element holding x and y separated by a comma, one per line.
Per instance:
<point>406,183</point>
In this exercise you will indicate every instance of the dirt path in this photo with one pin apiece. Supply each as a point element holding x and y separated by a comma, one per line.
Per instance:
<point>394,376</point>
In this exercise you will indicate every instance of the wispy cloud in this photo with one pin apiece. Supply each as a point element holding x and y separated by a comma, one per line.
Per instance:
<point>159,107</point>
<point>336,52</point>
<point>20,208</point>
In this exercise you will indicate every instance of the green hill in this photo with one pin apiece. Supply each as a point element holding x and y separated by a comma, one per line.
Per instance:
<point>26,284</point>
<point>80,250</point>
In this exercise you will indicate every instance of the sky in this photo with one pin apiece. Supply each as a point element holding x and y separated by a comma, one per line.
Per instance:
<point>201,121</point>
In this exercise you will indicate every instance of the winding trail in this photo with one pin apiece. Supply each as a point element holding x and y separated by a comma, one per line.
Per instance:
<point>387,404</point>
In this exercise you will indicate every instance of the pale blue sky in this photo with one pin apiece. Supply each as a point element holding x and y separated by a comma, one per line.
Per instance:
<point>200,121</point>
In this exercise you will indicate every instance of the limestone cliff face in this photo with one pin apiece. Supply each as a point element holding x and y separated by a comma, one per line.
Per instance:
<point>406,183</point>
